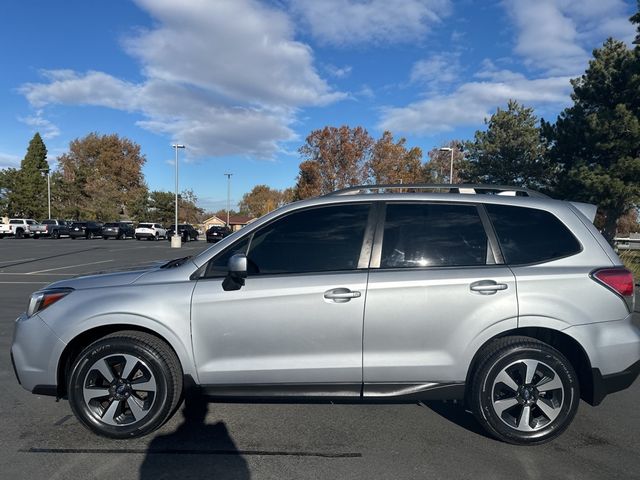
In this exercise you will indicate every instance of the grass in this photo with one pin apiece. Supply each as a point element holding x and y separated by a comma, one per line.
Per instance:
<point>631,260</point>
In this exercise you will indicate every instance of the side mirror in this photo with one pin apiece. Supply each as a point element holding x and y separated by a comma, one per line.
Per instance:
<point>237,272</point>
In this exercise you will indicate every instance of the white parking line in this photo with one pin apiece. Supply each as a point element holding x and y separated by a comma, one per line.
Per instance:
<point>68,266</point>
<point>39,283</point>
<point>41,274</point>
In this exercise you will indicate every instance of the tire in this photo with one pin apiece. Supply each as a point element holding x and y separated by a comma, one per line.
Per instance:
<point>105,237</point>
<point>157,237</point>
<point>517,376</point>
<point>137,238</point>
<point>19,233</point>
<point>35,237</point>
<point>124,412</point>
<point>55,234</point>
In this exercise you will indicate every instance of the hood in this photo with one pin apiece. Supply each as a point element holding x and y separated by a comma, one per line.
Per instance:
<point>100,280</point>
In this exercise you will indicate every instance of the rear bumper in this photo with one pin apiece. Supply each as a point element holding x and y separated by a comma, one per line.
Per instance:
<point>110,234</point>
<point>145,235</point>
<point>77,234</point>
<point>603,385</point>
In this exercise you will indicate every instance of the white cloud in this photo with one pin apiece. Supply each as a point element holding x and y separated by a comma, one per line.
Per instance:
<point>440,69</point>
<point>223,77</point>
<point>47,128</point>
<point>8,160</point>
<point>472,102</point>
<point>556,36</point>
<point>348,22</point>
<point>338,72</point>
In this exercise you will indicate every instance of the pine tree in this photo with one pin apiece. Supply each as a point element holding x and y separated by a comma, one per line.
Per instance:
<point>28,197</point>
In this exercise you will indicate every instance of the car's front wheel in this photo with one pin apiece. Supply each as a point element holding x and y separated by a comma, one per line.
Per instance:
<point>524,391</point>
<point>125,385</point>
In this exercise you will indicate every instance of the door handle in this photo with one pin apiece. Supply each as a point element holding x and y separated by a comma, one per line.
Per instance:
<point>341,295</point>
<point>487,287</point>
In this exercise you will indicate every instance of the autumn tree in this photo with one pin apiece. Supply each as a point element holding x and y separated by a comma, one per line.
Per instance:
<point>338,158</point>
<point>438,168</point>
<point>261,200</point>
<point>393,162</point>
<point>102,178</point>
<point>511,151</point>
<point>596,141</point>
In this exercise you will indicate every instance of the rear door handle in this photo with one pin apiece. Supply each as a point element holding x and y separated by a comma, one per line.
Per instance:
<point>341,295</point>
<point>487,287</point>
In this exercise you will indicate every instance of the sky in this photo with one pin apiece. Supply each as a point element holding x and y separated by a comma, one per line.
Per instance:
<point>242,83</point>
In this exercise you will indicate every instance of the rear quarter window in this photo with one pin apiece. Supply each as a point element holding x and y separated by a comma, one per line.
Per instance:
<point>528,235</point>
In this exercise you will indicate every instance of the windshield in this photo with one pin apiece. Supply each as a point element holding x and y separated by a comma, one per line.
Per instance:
<point>111,225</point>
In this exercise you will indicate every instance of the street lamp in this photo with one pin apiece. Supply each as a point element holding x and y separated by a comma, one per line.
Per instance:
<point>228,175</point>
<point>449,149</point>
<point>47,172</point>
<point>176,240</point>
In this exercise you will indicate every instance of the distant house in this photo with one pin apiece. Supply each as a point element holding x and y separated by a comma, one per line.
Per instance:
<point>236,222</point>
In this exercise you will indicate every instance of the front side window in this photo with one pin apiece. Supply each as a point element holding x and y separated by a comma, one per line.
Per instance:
<point>433,235</point>
<point>529,235</point>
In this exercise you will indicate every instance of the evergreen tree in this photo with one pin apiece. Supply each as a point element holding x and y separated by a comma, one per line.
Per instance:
<point>28,195</point>
<point>596,142</point>
<point>510,152</point>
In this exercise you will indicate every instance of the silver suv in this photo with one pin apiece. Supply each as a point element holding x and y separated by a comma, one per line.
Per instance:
<point>500,297</point>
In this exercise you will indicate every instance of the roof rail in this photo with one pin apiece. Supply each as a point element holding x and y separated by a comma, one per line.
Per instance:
<point>461,188</point>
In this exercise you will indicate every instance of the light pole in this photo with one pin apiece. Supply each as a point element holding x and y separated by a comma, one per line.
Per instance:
<point>176,240</point>
<point>47,172</point>
<point>449,149</point>
<point>228,175</point>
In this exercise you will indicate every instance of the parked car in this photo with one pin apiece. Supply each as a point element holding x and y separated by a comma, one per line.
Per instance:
<point>55,228</point>
<point>217,233</point>
<point>150,231</point>
<point>512,304</point>
<point>118,230</point>
<point>86,230</point>
<point>186,231</point>
<point>21,228</point>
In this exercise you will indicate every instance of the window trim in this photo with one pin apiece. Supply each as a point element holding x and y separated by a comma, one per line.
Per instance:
<point>366,244</point>
<point>492,243</point>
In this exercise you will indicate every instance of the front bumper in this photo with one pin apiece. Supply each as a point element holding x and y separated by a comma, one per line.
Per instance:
<point>34,353</point>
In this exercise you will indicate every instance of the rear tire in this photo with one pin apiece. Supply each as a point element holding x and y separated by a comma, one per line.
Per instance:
<point>19,233</point>
<point>125,385</point>
<point>524,391</point>
<point>55,234</point>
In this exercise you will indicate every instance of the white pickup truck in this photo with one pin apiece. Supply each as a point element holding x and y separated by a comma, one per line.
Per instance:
<point>22,228</point>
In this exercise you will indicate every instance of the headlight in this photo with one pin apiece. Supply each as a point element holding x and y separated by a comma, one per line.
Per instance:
<point>41,300</point>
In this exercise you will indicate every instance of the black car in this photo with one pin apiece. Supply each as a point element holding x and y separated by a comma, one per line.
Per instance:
<point>55,228</point>
<point>118,230</point>
<point>217,233</point>
<point>186,231</point>
<point>85,230</point>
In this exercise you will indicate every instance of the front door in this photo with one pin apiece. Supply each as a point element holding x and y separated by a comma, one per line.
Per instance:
<point>298,319</point>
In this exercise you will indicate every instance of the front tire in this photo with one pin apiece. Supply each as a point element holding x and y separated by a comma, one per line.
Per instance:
<point>125,385</point>
<point>524,391</point>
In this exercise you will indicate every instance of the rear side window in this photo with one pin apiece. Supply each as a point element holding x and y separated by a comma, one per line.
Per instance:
<point>528,235</point>
<point>432,235</point>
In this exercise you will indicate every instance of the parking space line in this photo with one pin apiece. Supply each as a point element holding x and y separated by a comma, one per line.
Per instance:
<point>18,260</point>
<point>11,283</point>
<point>68,266</point>
<point>40,274</point>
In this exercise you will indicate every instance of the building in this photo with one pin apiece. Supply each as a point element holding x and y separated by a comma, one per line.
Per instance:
<point>236,222</point>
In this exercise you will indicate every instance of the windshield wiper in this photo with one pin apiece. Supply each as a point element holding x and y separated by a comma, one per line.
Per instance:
<point>176,262</point>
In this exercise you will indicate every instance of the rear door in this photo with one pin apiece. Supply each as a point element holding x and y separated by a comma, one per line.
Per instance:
<point>297,321</point>
<point>436,291</point>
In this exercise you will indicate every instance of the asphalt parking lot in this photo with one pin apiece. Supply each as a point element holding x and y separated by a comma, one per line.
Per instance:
<point>39,438</point>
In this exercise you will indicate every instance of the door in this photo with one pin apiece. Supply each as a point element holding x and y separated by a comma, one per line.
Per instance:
<point>298,318</point>
<point>435,291</point>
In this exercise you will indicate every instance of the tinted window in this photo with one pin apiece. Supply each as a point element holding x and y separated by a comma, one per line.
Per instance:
<point>527,235</point>
<point>316,240</point>
<point>78,224</point>
<point>145,225</point>
<point>111,224</point>
<point>16,222</point>
<point>48,222</point>
<point>431,235</point>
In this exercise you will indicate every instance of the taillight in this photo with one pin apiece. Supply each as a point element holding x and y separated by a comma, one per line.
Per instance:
<point>618,279</point>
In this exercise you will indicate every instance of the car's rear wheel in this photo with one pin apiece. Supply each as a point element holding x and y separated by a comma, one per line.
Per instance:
<point>55,234</point>
<point>125,385</point>
<point>524,391</point>
<point>19,233</point>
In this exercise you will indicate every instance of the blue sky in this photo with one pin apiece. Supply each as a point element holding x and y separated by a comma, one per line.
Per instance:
<point>242,82</point>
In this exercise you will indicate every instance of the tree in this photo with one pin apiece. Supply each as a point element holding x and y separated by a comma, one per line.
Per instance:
<point>338,157</point>
<point>27,196</point>
<point>511,151</point>
<point>392,162</point>
<point>102,178</point>
<point>438,168</point>
<point>162,207</point>
<point>7,182</point>
<point>261,200</point>
<point>596,141</point>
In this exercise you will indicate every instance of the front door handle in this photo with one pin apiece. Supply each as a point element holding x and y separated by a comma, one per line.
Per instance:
<point>487,287</point>
<point>341,295</point>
